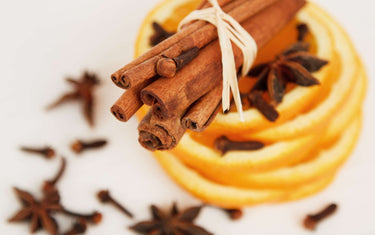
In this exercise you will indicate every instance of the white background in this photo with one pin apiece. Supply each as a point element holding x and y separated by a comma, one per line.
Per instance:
<point>43,41</point>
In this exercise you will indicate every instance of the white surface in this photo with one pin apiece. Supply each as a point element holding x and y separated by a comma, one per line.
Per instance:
<point>43,41</point>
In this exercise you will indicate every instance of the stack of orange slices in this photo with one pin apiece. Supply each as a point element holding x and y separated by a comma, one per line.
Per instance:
<point>316,132</point>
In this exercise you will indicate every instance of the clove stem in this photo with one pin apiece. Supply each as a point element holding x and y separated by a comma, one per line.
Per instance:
<point>105,197</point>
<point>46,152</point>
<point>223,144</point>
<point>312,220</point>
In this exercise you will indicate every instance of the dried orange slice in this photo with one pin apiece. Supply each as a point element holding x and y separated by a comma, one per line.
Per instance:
<point>232,196</point>
<point>324,163</point>
<point>229,196</point>
<point>273,156</point>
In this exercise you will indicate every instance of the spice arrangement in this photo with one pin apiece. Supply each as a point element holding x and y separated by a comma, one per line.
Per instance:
<point>301,109</point>
<point>301,102</point>
<point>183,96</point>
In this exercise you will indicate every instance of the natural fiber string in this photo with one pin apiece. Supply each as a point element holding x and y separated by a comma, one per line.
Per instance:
<point>228,30</point>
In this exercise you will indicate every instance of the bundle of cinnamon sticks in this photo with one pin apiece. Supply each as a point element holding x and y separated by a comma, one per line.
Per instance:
<point>181,77</point>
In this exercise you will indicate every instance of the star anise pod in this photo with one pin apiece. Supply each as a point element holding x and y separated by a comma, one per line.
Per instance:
<point>172,223</point>
<point>293,65</point>
<point>37,212</point>
<point>83,92</point>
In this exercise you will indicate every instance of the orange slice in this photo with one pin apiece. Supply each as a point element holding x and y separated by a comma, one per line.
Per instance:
<point>228,196</point>
<point>326,161</point>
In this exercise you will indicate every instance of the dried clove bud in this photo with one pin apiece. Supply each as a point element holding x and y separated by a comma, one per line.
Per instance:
<point>160,34</point>
<point>95,217</point>
<point>168,67</point>
<point>303,30</point>
<point>223,144</point>
<point>234,214</point>
<point>79,145</point>
<point>312,220</point>
<point>105,197</point>
<point>50,191</point>
<point>78,227</point>
<point>46,152</point>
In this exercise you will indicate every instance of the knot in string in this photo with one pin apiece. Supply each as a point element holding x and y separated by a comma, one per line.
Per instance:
<point>229,30</point>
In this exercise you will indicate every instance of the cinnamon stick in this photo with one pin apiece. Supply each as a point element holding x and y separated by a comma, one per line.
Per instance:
<point>129,103</point>
<point>203,111</point>
<point>205,71</point>
<point>190,28</point>
<point>156,134</point>
<point>200,38</point>
<point>167,67</point>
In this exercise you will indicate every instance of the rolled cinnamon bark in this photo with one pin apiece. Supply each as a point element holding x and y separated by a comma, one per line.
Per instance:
<point>203,111</point>
<point>170,96</point>
<point>200,38</point>
<point>129,102</point>
<point>156,134</point>
<point>167,67</point>
<point>188,29</point>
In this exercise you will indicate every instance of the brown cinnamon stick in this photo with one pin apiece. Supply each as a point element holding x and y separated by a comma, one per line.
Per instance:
<point>205,71</point>
<point>200,38</point>
<point>167,67</point>
<point>129,103</point>
<point>203,112</point>
<point>117,76</point>
<point>156,134</point>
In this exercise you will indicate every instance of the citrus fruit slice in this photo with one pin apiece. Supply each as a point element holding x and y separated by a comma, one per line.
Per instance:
<point>229,196</point>
<point>326,162</point>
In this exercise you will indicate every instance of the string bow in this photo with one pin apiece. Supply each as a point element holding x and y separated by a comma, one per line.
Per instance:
<point>229,30</point>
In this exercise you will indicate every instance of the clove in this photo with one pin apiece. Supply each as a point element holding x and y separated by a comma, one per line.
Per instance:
<point>168,67</point>
<point>105,197</point>
<point>79,145</point>
<point>302,30</point>
<point>49,189</point>
<point>311,221</point>
<point>46,152</point>
<point>160,34</point>
<point>95,217</point>
<point>223,144</point>
<point>234,214</point>
<point>78,227</point>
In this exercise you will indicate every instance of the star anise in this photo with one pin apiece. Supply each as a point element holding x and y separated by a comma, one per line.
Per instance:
<point>172,223</point>
<point>82,91</point>
<point>293,65</point>
<point>37,212</point>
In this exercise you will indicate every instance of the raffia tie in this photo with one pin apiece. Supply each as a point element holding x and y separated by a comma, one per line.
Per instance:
<point>229,30</point>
